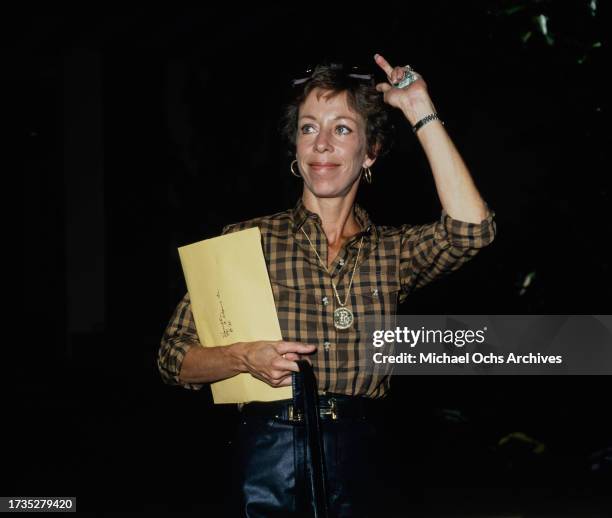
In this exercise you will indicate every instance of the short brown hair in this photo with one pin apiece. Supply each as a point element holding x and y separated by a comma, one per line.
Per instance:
<point>362,97</point>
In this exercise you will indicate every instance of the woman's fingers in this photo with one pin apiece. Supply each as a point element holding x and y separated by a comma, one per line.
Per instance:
<point>294,347</point>
<point>295,357</point>
<point>384,64</point>
<point>287,362</point>
<point>394,74</point>
<point>285,382</point>
<point>398,74</point>
<point>275,361</point>
<point>282,364</point>
<point>291,357</point>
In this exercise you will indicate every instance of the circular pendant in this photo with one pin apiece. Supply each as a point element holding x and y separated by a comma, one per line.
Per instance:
<point>343,318</point>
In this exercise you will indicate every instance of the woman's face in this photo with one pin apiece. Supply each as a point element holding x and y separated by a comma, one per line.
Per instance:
<point>330,145</point>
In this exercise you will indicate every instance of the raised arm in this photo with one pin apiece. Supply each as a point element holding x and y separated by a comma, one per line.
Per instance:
<point>456,189</point>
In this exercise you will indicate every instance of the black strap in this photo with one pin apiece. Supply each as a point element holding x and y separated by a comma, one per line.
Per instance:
<point>306,402</point>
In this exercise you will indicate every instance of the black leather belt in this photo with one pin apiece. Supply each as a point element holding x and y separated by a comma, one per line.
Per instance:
<point>331,407</point>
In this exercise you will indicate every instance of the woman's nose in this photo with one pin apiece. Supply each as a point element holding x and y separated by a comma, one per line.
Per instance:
<point>322,142</point>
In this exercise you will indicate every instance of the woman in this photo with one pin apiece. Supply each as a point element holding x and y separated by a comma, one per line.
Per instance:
<point>330,266</point>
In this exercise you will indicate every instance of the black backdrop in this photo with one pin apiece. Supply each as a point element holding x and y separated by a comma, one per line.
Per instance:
<point>143,130</point>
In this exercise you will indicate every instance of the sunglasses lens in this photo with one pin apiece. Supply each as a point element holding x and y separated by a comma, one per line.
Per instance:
<point>354,71</point>
<point>296,82</point>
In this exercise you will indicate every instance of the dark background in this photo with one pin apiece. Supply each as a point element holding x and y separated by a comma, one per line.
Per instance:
<point>142,130</point>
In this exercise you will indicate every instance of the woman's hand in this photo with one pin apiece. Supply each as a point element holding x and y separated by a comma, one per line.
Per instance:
<point>274,361</point>
<point>413,100</point>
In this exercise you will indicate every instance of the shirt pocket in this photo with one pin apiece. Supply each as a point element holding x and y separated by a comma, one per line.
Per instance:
<point>376,302</point>
<point>297,310</point>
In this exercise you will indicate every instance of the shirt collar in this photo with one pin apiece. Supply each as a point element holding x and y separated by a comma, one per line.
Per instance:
<point>300,214</point>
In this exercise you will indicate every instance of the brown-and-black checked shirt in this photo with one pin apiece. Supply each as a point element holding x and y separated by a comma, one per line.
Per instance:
<point>393,262</point>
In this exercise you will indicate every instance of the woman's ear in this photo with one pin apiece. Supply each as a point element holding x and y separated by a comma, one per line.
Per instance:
<point>370,159</point>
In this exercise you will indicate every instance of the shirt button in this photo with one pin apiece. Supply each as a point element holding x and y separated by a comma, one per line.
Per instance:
<point>326,345</point>
<point>341,262</point>
<point>325,301</point>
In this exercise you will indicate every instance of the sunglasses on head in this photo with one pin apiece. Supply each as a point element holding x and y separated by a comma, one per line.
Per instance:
<point>351,71</point>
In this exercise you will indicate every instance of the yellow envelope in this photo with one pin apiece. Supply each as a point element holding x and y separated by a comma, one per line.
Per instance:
<point>232,301</point>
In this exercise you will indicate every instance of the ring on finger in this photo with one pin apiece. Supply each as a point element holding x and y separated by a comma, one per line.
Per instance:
<point>410,76</point>
<point>407,68</point>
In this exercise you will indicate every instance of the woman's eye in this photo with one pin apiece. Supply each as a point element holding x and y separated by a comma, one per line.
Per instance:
<point>348,130</point>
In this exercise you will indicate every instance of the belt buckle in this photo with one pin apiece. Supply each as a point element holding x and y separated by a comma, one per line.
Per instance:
<point>293,414</point>
<point>296,416</point>
<point>332,410</point>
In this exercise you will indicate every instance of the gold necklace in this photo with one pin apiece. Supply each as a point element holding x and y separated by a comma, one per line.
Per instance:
<point>343,316</point>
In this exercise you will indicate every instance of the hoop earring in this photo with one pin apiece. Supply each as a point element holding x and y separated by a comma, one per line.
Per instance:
<point>367,175</point>
<point>292,171</point>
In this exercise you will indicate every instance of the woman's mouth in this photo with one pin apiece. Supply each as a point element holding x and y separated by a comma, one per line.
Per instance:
<point>322,166</point>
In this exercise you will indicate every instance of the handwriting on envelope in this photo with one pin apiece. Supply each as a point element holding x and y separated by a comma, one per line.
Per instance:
<point>232,301</point>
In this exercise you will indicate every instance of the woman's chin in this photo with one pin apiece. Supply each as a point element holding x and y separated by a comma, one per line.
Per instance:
<point>325,190</point>
<point>328,189</point>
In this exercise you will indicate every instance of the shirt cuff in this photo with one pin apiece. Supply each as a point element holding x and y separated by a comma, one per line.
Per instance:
<point>463,234</point>
<point>178,356</point>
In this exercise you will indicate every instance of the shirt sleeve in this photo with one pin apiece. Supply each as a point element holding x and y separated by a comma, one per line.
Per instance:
<point>435,249</point>
<point>178,338</point>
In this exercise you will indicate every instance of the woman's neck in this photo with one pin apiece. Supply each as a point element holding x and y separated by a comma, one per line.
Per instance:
<point>337,216</point>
